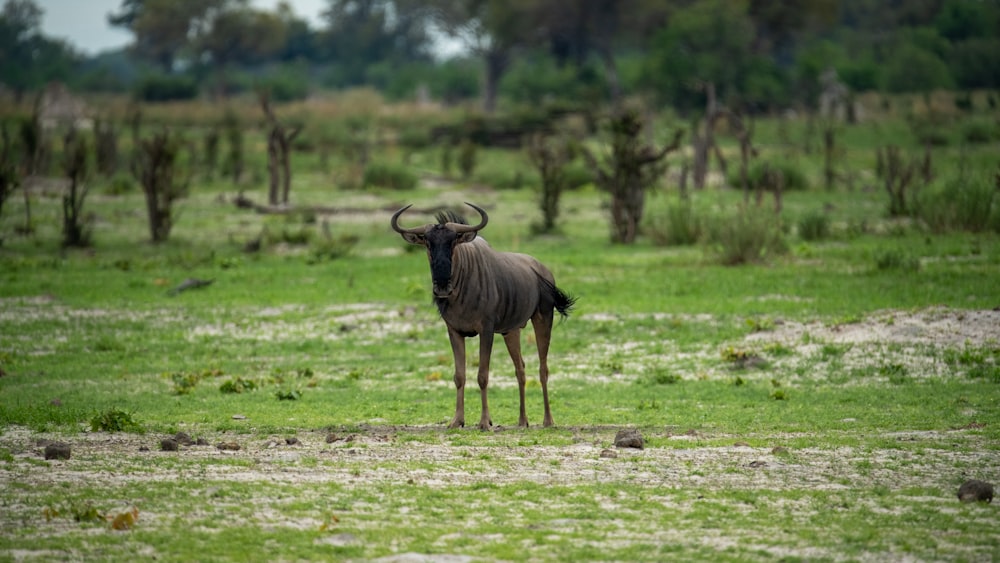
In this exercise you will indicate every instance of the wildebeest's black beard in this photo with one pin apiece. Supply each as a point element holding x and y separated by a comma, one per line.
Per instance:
<point>441,268</point>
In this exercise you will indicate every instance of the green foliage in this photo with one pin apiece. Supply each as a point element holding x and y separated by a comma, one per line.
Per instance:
<point>166,88</point>
<point>896,259</point>
<point>331,248</point>
<point>115,420</point>
<point>287,84</point>
<point>288,394</point>
<point>912,68</point>
<point>678,226</point>
<point>466,158</point>
<point>745,237</point>
<point>961,203</point>
<point>814,225</point>
<point>389,176</point>
<point>662,376</point>
<point>238,385</point>
<point>980,131</point>
<point>704,42</point>
<point>766,175</point>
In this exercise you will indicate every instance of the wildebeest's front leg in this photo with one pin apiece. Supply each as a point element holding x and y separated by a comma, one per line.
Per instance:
<point>458,351</point>
<point>513,341</point>
<point>485,350</point>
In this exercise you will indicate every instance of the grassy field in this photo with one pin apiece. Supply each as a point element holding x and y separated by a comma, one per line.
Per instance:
<point>824,404</point>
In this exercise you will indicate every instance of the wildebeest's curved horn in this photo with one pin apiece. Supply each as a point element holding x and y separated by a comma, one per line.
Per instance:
<point>398,229</point>
<point>460,228</point>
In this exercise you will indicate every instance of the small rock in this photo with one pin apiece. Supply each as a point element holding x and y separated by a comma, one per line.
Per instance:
<point>201,442</point>
<point>228,446</point>
<point>628,438</point>
<point>57,450</point>
<point>975,490</point>
<point>779,450</point>
<point>239,417</point>
<point>143,448</point>
<point>169,445</point>
<point>741,445</point>
<point>757,464</point>
<point>331,438</point>
<point>183,439</point>
<point>293,441</point>
<point>610,454</point>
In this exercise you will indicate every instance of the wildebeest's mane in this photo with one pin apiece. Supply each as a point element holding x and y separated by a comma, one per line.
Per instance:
<point>449,216</point>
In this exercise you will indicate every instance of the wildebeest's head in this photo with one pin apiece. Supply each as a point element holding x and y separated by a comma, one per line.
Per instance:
<point>440,240</point>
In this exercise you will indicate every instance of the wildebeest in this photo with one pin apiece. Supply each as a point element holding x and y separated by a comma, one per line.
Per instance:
<point>481,291</point>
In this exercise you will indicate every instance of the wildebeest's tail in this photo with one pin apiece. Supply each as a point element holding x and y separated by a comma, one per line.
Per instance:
<point>562,301</point>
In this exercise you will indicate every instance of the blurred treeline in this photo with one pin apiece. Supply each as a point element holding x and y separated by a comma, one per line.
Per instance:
<point>759,55</point>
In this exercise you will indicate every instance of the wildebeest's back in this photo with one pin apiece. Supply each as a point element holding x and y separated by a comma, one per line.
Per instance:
<point>502,286</point>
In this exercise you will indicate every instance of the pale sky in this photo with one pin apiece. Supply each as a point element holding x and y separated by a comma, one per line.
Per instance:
<point>84,23</point>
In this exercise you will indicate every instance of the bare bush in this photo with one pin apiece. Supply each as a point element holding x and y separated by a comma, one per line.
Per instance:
<point>626,174</point>
<point>157,168</point>
<point>75,166</point>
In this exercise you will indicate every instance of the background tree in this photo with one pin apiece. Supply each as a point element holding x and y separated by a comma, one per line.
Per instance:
<point>239,35</point>
<point>706,42</point>
<point>163,29</point>
<point>28,60</point>
<point>360,33</point>
<point>492,30</point>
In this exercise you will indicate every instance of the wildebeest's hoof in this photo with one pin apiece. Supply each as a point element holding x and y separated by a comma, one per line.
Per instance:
<point>975,490</point>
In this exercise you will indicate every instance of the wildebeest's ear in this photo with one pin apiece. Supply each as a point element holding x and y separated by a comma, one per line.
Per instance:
<point>466,237</point>
<point>414,238</point>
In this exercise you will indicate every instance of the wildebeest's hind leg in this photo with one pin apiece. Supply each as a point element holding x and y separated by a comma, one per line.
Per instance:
<point>458,351</point>
<point>542,323</point>
<point>513,341</point>
<point>485,350</point>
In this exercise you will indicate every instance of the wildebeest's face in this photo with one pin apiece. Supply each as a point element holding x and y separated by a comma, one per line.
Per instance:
<point>440,241</point>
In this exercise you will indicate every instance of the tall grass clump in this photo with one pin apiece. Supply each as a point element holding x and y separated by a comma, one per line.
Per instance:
<point>814,225</point>
<point>960,204</point>
<point>763,175</point>
<point>678,226</point>
<point>747,236</point>
<point>389,176</point>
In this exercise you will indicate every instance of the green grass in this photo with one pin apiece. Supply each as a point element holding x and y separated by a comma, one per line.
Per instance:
<point>716,366</point>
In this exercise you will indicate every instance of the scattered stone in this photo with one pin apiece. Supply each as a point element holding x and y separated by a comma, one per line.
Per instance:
<point>183,439</point>
<point>169,445</point>
<point>144,448</point>
<point>628,438</point>
<point>610,454</point>
<point>293,441</point>
<point>201,442</point>
<point>975,490</point>
<point>331,438</point>
<point>779,450</point>
<point>228,446</point>
<point>239,417</point>
<point>757,464</point>
<point>57,450</point>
